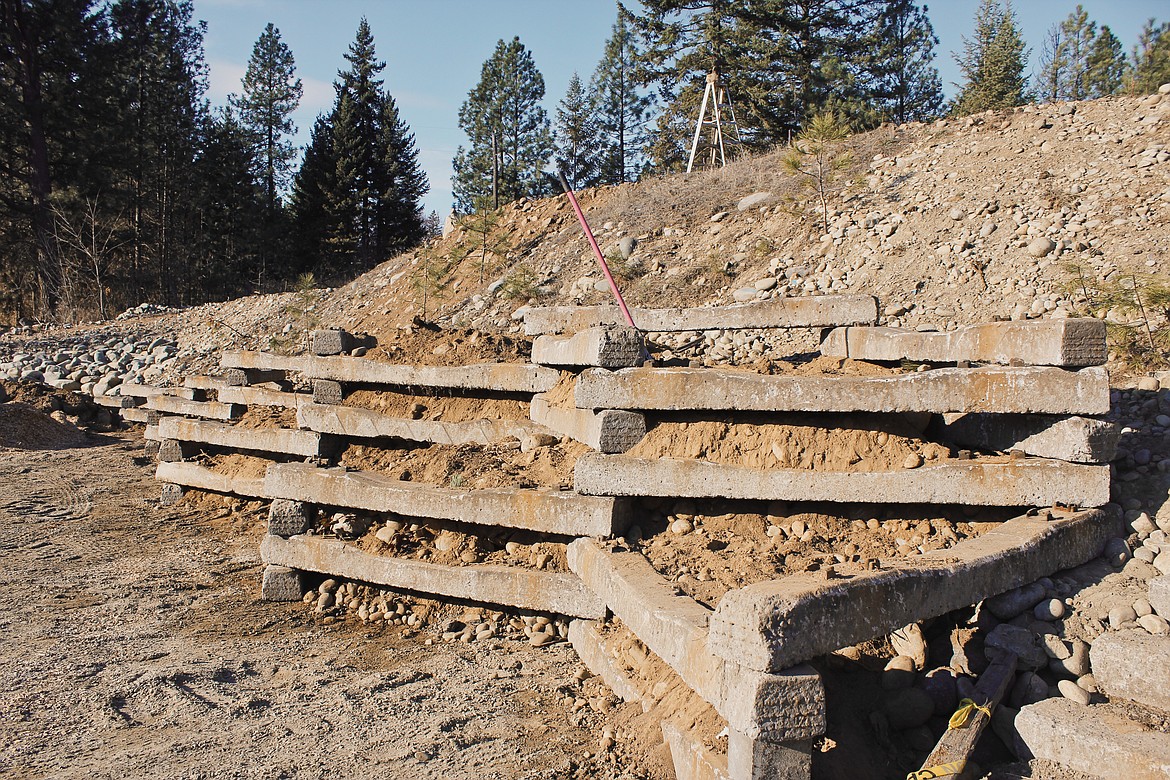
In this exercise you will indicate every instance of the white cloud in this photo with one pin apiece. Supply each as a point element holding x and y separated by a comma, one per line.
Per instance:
<point>318,95</point>
<point>224,80</point>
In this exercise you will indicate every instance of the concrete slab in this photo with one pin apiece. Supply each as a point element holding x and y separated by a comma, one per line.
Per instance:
<point>692,760</point>
<point>193,475</point>
<point>545,510</point>
<point>280,583</point>
<point>755,759</point>
<point>244,377</point>
<point>211,410</point>
<point>994,389</point>
<point>1027,482</point>
<point>495,377</point>
<point>590,647</point>
<point>561,594</point>
<point>261,396</point>
<point>135,414</point>
<point>1077,439</point>
<point>1092,740</point>
<point>146,391</point>
<point>1069,343</point>
<point>200,382</point>
<point>1114,658</point>
<point>284,441</point>
<point>604,347</point>
<point>117,401</point>
<point>367,424</point>
<point>822,311</point>
<point>609,430</point>
<point>776,707</point>
<point>1160,595</point>
<point>151,433</point>
<point>766,625</point>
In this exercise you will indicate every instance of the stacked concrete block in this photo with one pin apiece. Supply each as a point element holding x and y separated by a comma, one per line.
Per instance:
<point>603,347</point>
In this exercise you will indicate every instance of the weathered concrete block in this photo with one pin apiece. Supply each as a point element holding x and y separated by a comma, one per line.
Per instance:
<point>544,510</point>
<point>497,377</point>
<point>755,759</point>
<point>326,391</point>
<point>150,433</point>
<point>367,424</point>
<point>242,377</point>
<point>146,391</point>
<point>541,591</point>
<point>1120,673</point>
<point>1069,343</point>
<point>200,382</point>
<point>1077,439</point>
<point>779,707</point>
<point>289,518</point>
<point>605,347</point>
<point>1092,740</point>
<point>281,584</point>
<point>765,626</point>
<point>993,389</point>
<point>590,647</point>
<point>150,448</point>
<point>330,342</point>
<point>285,441</point>
<point>211,410</point>
<point>119,402</point>
<point>195,476</point>
<point>169,450</point>
<point>261,396</point>
<point>171,494</point>
<point>135,414</point>
<point>1029,482</point>
<point>821,311</point>
<point>1160,596</point>
<point>692,760</point>
<point>609,430</point>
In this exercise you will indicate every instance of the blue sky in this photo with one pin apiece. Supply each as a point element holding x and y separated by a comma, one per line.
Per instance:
<point>434,49</point>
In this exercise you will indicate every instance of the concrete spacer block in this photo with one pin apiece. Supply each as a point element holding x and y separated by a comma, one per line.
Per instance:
<point>1092,740</point>
<point>1114,658</point>
<point>603,347</point>
<point>755,759</point>
<point>692,760</point>
<point>171,494</point>
<point>281,583</point>
<point>150,448</point>
<point>235,377</point>
<point>170,451</point>
<point>326,391</point>
<point>1160,595</point>
<point>289,518</point>
<point>609,430</point>
<point>333,341</point>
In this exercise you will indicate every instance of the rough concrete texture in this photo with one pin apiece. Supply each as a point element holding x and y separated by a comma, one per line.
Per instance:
<point>368,424</point>
<point>170,451</point>
<point>242,377</point>
<point>497,377</point>
<point>286,441</point>
<point>1113,656</point>
<point>1160,595</point>
<point>150,433</point>
<point>195,476</point>
<point>1069,343</point>
<point>1092,740</point>
<point>171,494</point>
<point>813,312</point>
<point>135,414</point>
<point>261,396</point>
<point>963,390</point>
<point>755,759</point>
<point>289,518</point>
<point>210,410</point>
<point>604,347</point>
<point>281,583</point>
<point>692,760</point>
<point>200,382</point>
<point>544,510</point>
<point>146,391</point>
<point>561,594</point>
<point>609,430</point>
<point>326,391</point>
<point>594,653</point>
<point>1077,439</point>
<point>117,401</point>
<point>779,707</point>
<point>1025,482</point>
<point>765,626</point>
<point>330,342</point>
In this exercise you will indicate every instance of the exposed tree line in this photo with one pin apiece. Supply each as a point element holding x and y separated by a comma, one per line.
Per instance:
<point>119,183</point>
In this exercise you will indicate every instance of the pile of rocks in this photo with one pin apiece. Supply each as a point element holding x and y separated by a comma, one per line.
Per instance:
<point>95,366</point>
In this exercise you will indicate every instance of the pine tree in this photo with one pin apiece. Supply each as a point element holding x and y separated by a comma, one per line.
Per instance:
<point>1065,65</point>
<point>621,110</point>
<point>577,138</point>
<point>903,81</point>
<point>508,132</point>
<point>992,63</point>
<point>1107,65</point>
<point>312,220</point>
<point>1151,58</point>
<point>271,93</point>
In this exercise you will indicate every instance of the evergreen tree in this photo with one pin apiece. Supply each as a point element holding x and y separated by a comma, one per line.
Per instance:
<point>1065,65</point>
<point>312,218</point>
<point>508,132</point>
<point>903,81</point>
<point>992,62</point>
<point>621,110</point>
<point>1107,66</point>
<point>577,137</point>
<point>1151,58</point>
<point>271,93</point>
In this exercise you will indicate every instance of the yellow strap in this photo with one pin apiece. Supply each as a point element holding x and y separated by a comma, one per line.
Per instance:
<point>942,770</point>
<point>963,714</point>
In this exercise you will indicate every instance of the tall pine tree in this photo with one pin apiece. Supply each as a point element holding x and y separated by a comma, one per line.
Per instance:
<point>507,130</point>
<point>577,138</point>
<point>622,110</point>
<point>1065,67</point>
<point>903,81</point>
<point>992,62</point>
<point>1107,65</point>
<point>1151,58</point>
